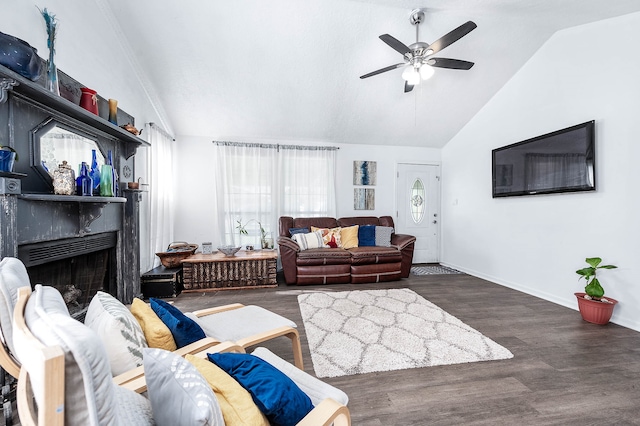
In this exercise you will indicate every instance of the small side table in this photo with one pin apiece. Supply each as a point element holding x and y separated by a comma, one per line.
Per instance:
<point>246,269</point>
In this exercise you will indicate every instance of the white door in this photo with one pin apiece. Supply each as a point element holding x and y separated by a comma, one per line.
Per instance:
<point>418,208</point>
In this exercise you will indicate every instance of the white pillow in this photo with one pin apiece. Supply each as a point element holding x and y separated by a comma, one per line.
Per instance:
<point>179,394</point>
<point>118,329</point>
<point>13,276</point>
<point>310,240</point>
<point>383,236</point>
<point>89,388</point>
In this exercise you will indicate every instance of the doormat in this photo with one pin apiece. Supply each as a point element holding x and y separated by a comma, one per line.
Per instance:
<point>363,331</point>
<point>433,270</point>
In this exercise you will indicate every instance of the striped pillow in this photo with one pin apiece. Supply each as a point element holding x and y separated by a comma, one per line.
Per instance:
<point>309,241</point>
<point>383,236</point>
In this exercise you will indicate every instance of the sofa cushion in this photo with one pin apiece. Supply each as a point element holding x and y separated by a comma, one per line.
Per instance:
<point>119,329</point>
<point>309,241</point>
<point>320,222</point>
<point>330,237</point>
<point>383,236</point>
<point>324,256</point>
<point>349,236</point>
<point>374,255</point>
<point>155,331</point>
<point>293,231</point>
<point>13,276</point>
<point>367,236</point>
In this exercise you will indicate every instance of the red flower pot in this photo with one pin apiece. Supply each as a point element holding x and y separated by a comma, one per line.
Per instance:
<point>89,100</point>
<point>594,311</point>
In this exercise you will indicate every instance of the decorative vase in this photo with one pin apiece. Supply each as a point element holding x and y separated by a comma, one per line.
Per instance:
<point>94,173</point>
<point>64,180</point>
<point>89,100</point>
<point>7,159</point>
<point>106,183</point>
<point>84,183</point>
<point>114,174</point>
<point>594,311</point>
<point>52,75</point>
<point>113,111</point>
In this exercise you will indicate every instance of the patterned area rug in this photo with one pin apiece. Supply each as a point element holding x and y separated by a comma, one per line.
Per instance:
<point>355,332</point>
<point>433,270</point>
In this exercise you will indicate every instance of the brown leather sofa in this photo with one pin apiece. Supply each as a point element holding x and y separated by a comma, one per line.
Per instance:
<point>337,265</point>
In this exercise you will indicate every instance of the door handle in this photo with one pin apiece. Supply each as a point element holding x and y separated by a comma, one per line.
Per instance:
<point>435,221</point>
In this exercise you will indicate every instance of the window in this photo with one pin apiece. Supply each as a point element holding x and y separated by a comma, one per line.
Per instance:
<point>417,201</point>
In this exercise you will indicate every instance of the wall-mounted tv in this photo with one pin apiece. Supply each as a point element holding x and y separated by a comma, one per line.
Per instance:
<point>560,161</point>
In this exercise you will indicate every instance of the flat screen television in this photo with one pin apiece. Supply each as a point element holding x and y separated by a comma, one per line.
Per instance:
<point>560,161</point>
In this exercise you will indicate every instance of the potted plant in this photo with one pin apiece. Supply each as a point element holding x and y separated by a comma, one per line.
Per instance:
<point>593,306</point>
<point>264,241</point>
<point>8,156</point>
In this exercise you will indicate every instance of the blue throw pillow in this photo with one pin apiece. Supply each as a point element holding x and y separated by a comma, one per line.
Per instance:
<point>293,231</point>
<point>366,236</point>
<point>275,394</point>
<point>184,329</point>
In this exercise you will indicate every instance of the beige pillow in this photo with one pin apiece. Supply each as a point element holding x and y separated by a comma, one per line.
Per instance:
<point>329,236</point>
<point>238,408</point>
<point>349,236</point>
<point>155,332</point>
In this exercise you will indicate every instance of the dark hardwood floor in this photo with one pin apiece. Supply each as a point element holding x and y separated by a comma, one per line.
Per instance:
<point>564,372</point>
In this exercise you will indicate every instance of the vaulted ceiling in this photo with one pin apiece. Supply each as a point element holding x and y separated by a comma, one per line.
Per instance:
<point>289,70</point>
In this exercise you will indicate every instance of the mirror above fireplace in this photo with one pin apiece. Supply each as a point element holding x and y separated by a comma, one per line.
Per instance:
<point>54,142</point>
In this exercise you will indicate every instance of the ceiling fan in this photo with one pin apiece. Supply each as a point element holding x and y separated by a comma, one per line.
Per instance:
<point>418,61</point>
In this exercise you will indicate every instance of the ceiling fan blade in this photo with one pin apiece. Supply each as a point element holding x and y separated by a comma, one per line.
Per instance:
<point>454,64</point>
<point>380,71</point>
<point>395,44</point>
<point>407,87</point>
<point>452,36</point>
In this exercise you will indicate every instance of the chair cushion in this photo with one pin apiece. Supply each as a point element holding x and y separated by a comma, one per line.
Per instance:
<point>237,324</point>
<point>13,276</point>
<point>383,236</point>
<point>238,409</point>
<point>179,394</point>
<point>183,329</point>
<point>155,331</point>
<point>367,236</point>
<point>119,329</point>
<point>133,408</point>
<point>315,389</point>
<point>89,388</point>
<point>277,396</point>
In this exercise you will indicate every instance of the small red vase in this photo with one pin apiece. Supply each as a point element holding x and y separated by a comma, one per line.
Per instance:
<point>89,100</point>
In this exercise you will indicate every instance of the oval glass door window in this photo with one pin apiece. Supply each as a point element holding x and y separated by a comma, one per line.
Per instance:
<point>417,201</point>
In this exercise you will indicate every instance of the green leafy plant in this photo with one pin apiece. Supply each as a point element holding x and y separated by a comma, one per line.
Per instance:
<point>242,229</point>
<point>593,287</point>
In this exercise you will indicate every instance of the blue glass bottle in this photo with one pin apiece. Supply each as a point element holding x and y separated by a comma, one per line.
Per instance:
<point>84,183</point>
<point>95,172</point>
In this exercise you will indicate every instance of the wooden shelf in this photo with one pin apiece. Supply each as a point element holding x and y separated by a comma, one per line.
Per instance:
<point>72,198</point>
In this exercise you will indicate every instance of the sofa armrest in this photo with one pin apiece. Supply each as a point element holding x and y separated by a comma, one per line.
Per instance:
<point>402,240</point>
<point>288,255</point>
<point>406,244</point>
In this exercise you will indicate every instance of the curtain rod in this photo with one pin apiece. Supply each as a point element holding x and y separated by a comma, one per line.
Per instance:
<point>276,146</point>
<point>161,130</point>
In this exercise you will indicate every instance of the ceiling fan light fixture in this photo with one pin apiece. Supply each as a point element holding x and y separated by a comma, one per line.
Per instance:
<point>411,75</point>
<point>426,71</point>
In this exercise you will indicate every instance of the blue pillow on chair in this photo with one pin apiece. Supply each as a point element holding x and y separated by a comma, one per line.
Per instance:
<point>366,236</point>
<point>184,329</point>
<point>275,394</point>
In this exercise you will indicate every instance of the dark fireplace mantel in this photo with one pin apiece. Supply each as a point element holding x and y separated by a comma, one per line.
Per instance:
<point>38,226</point>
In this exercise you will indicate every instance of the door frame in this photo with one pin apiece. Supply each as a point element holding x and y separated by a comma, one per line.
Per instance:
<point>439,198</point>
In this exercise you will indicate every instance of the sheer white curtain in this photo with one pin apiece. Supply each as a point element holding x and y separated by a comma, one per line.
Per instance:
<point>161,211</point>
<point>261,182</point>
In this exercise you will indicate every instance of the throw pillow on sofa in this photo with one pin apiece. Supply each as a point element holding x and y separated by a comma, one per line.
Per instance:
<point>184,329</point>
<point>330,237</point>
<point>349,236</point>
<point>367,236</point>
<point>309,241</point>
<point>383,236</point>
<point>294,231</point>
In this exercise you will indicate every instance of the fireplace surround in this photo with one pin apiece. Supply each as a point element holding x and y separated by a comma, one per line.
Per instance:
<point>62,234</point>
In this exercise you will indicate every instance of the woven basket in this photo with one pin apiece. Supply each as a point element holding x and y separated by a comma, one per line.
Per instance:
<point>173,259</point>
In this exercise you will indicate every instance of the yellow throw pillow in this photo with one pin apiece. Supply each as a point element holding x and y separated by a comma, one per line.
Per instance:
<point>157,334</point>
<point>349,236</point>
<point>330,237</point>
<point>238,409</point>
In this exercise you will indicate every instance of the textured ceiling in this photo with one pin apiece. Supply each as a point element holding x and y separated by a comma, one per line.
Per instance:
<point>288,70</point>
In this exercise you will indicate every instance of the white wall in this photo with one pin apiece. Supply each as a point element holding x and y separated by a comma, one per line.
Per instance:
<point>536,243</point>
<point>195,206</point>
<point>89,50</point>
